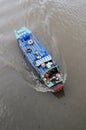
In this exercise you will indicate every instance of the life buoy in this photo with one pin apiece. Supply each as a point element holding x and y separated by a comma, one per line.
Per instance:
<point>30,42</point>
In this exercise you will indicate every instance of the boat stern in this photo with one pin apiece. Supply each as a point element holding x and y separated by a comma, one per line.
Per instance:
<point>58,88</point>
<point>55,83</point>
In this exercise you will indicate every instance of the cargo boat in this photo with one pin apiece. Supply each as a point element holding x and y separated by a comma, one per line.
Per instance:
<point>38,56</point>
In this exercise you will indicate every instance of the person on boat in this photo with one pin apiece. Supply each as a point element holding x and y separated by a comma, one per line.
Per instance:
<point>46,77</point>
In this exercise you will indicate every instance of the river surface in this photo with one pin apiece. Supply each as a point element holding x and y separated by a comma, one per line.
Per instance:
<point>60,25</point>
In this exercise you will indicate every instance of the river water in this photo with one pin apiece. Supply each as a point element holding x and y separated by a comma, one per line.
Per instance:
<point>60,25</point>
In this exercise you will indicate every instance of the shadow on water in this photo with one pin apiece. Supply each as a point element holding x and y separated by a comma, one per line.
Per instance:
<point>59,94</point>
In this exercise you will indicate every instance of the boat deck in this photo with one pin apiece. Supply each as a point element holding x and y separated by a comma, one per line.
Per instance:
<point>42,55</point>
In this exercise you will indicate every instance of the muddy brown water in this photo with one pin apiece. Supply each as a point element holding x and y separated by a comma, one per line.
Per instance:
<point>61,26</point>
